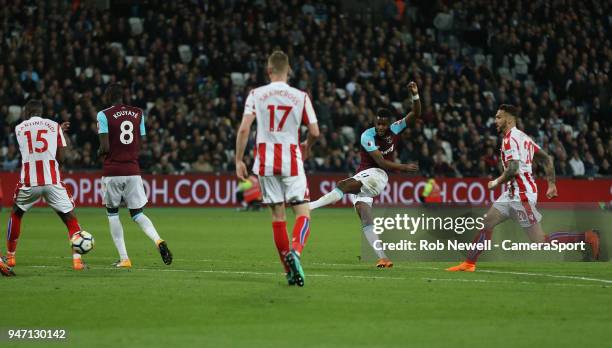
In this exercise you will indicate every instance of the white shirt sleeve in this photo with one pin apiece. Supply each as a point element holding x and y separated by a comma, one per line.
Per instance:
<point>249,105</point>
<point>61,139</point>
<point>308,115</point>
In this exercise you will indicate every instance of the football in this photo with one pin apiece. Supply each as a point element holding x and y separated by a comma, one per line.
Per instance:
<point>82,242</point>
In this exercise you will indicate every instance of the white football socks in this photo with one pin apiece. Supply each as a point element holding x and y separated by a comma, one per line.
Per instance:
<point>117,233</point>
<point>147,227</point>
<point>368,232</point>
<point>331,197</point>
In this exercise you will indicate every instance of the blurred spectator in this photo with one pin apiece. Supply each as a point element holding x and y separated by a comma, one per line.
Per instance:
<point>11,160</point>
<point>440,166</point>
<point>202,165</point>
<point>576,164</point>
<point>590,168</point>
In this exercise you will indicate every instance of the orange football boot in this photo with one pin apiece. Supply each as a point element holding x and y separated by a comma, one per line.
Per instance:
<point>592,238</point>
<point>384,263</point>
<point>123,264</point>
<point>463,267</point>
<point>78,264</point>
<point>10,260</point>
<point>5,270</point>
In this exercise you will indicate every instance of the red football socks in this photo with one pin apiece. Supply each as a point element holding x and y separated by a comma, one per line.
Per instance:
<point>301,231</point>
<point>565,237</point>
<point>281,240</point>
<point>73,226</point>
<point>13,232</point>
<point>480,238</point>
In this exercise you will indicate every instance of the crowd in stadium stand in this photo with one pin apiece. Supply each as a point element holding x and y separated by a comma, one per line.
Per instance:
<point>191,64</point>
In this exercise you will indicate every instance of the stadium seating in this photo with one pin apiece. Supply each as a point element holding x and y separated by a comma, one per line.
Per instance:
<point>464,61</point>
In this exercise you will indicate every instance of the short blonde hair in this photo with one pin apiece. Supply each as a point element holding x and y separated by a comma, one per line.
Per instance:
<point>278,62</point>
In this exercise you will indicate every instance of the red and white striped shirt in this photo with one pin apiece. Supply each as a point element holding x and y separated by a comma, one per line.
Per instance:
<point>39,140</point>
<point>280,110</point>
<point>517,145</point>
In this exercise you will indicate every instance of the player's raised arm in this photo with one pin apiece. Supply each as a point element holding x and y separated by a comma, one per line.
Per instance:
<point>546,160</point>
<point>413,115</point>
<point>241,141</point>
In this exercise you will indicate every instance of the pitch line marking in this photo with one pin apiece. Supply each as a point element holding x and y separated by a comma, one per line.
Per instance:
<point>532,274</point>
<point>560,276</point>
<point>429,279</point>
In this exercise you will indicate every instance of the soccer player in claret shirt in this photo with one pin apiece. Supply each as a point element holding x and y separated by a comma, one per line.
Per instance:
<point>42,144</point>
<point>280,110</point>
<point>378,146</point>
<point>120,129</point>
<point>519,198</point>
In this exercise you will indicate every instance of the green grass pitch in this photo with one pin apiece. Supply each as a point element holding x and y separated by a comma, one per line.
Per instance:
<point>225,288</point>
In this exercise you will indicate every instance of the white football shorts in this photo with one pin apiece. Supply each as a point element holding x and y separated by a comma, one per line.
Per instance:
<point>524,210</point>
<point>56,196</point>
<point>373,182</point>
<point>130,189</point>
<point>284,189</point>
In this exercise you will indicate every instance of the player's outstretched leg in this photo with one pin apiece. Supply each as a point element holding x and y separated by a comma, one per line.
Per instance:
<point>12,235</point>
<point>72,223</point>
<point>591,237</point>
<point>349,185</point>
<point>116,229</point>
<point>331,197</point>
<point>147,227</point>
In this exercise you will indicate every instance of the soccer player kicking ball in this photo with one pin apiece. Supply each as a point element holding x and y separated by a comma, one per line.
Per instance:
<point>378,147</point>
<point>40,141</point>
<point>519,198</point>
<point>120,129</point>
<point>280,110</point>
